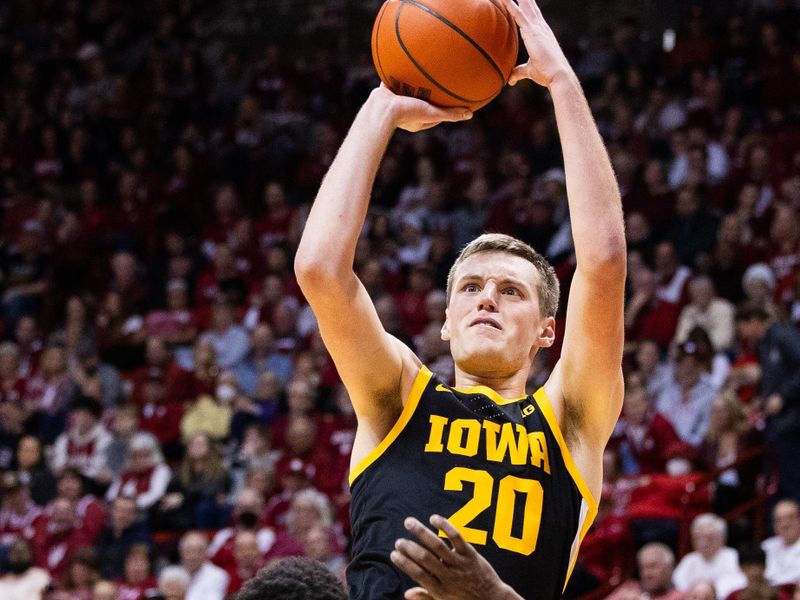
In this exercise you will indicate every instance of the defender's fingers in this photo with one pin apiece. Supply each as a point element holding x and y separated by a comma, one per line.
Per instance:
<point>413,570</point>
<point>428,539</point>
<point>518,74</point>
<point>418,593</point>
<point>514,10</point>
<point>420,555</point>
<point>459,545</point>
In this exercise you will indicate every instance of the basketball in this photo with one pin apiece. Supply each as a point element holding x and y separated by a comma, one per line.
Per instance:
<point>448,52</point>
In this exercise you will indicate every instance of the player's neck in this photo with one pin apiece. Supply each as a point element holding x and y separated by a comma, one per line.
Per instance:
<point>508,386</point>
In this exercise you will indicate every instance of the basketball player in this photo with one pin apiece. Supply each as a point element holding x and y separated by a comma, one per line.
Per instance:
<point>516,474</point>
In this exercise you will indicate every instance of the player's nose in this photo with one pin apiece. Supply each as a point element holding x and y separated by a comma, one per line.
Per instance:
<point>488,298</point>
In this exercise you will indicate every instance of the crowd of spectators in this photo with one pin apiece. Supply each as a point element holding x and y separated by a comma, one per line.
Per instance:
<point>169,417</point>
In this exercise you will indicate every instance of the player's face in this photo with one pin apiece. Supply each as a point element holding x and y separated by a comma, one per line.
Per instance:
<point>493,321</point>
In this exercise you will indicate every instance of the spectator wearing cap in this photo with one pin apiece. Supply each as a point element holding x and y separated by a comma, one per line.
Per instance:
<point>207,581</point>
<point>710,560</point>
<point>759,284</point>
<point>25,273</point>
<point>229,339</point>
<point>197,495</point>
<point>708,311</point>
<point>88,508</point>
<point>146,475</point>
<point>778,349</point>
<point>85,442</point>
<point>646,438</point>
<point>686,400</point>
<point>33,471</point>
<point>22,580</point>
<point>783,549</point>
<point>19,516</point>
<point>122,532</point>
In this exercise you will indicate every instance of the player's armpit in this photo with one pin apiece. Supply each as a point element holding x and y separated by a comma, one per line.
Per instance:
<point>589,372</point>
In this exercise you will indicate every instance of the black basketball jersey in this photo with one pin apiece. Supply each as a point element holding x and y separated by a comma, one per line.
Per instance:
<point>498,469</point>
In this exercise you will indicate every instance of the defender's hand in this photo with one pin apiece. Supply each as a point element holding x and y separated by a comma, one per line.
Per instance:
<point>412,114</point>
<point>547,62</point>
<point>459,573</point>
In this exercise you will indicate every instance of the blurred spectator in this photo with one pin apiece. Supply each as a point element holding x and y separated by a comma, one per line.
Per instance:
<point>81,576</point>
<point>752,561</point>
<point>22,580</point>
<point>702,590</point>
<point>138,579</point>
<point>710,560</point>
<point>122,532</point>
<point>19,516</point>
<point>12,430</point>
<point>646,439</point>
<point>778,348</point>
<point>656,563</point>
<point>319,546</point>
<point>105,590</point>
<point>124,425</point>
<point>708,311</point>
<point>173,583</point>
<point>88,508</point>
<point>212,414</point>
<point>207,581</point>
<point>648,317</point>
<point>686,400</point>
<point>48,393</point>
<point>85,443</point>
<point>146,476</point>
<point>247,560</point>
<point>672,277</point>
<point>58,537</point>
<point>196,496</point>
<point>230,340</point>
<point>758,283</point>
<point>160,416</point>
<point>247,514</point>
<point>25,273</point>
<point>783,549</point>
<point>176,323</point>
<point>262,358</point>
<point>33,471</point>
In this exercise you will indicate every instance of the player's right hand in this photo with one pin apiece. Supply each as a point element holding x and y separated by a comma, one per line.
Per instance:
<point>412,114</point>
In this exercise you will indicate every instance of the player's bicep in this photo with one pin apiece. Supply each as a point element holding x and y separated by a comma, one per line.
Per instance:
<point>368,359</point>
<point>591,356</point>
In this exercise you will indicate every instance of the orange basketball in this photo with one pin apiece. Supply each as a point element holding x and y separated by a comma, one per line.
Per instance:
<point>448,52</point>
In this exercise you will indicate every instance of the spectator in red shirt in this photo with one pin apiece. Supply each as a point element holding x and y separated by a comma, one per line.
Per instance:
<point>138,577</point>
<point>146,476</point>
<point>159,363</point>
<point>26,335</point>
<point>160,416</point>
<point>19,516</point>
<point>647,440</point>
<point>304,440</point>
<point>175,323</point>
<point>648,317</point>
<point>58,537</point>
<point>88,508</point>
<point>248,559</point>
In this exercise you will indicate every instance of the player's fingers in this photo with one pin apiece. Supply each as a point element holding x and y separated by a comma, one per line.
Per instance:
<point>449,114</point>
<point>518,74</point>
<point>428,539</point>
<point>459,545</point>
<point>418,593</point>
<point>413,570</point>
<point>514,10</point>
<point>420,555</point>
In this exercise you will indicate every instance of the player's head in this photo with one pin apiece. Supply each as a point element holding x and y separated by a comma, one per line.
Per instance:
<point>294,579</point>
<point>502,298</point>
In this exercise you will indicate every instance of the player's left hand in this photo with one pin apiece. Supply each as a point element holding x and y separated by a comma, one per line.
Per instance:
<point>457,573</point>
<point>547,61</point>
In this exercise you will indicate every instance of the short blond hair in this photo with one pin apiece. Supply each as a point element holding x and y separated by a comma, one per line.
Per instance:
<point>547,288</point>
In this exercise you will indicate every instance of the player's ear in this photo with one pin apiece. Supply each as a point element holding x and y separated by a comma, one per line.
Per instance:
<point>547,333</point>
<point>446,326</point>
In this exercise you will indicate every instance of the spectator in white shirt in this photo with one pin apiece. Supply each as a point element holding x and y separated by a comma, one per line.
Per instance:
<point>22,581</point>
<point>229,339</point>
<point>207,581</point>
<point>711,561</point>
<point>173,583</point>
<point>707,310</point>
<point>783,550</point>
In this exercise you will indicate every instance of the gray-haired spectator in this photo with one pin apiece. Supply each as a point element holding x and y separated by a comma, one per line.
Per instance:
<point>783,549</point>
<point>656,563</point>
<point>710,560</point>
<point>146,475</point>
<point>173,583</point>
<point>207,581</point>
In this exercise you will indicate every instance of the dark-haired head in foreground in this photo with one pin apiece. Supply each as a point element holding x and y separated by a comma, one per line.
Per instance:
<point>293,579</point>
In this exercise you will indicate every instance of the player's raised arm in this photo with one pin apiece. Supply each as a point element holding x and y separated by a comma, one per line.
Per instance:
<point>588,376</point>
<point>369,360</point>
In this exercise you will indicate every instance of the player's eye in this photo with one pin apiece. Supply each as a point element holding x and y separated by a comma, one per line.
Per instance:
<point>511,292</point>
<point>472,288</point>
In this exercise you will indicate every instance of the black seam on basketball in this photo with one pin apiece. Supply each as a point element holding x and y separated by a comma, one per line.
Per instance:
<point>377,48</point>
<point>462,34</point>
<point>506,16</point>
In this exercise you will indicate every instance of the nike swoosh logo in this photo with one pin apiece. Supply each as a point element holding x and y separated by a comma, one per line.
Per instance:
<point>441,388</point>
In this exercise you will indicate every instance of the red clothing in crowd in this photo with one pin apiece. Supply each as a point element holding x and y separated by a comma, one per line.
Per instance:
<point>53,551</point>
<point>237,576</point>
<point>651,444</point>
<point>656,322</point>
<point>147,486</point>
<point>135,591</point>
<point>162,420</point>
<point>14,526</point>
<point>92,513</point>
<point>178,382</point>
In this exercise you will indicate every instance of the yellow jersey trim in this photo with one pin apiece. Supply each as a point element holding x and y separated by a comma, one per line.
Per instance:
<point>486,391</point>
<point>419,385</point>
<point>541,399</point>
